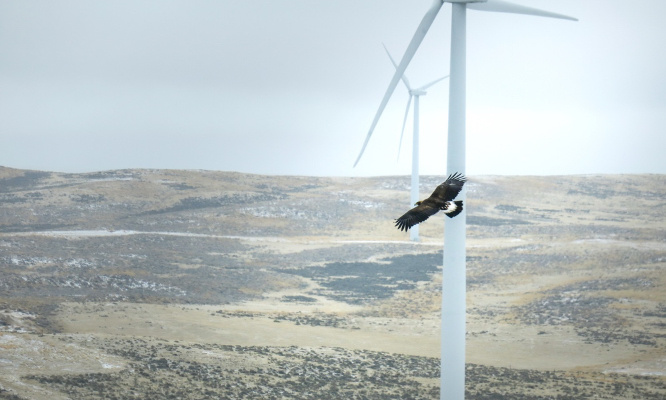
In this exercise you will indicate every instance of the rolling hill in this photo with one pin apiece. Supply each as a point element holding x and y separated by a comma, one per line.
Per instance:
<point>198,284</point>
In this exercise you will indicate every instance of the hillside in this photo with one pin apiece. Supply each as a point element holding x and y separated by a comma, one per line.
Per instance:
<point>191,284</point>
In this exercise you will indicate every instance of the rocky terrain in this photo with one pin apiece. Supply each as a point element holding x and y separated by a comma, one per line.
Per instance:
<point>199,284</point>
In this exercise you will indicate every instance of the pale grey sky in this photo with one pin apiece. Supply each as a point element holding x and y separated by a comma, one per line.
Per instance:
<point>291,86</point>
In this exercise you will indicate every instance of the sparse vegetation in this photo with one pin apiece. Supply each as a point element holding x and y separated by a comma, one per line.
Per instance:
<point>178,284</point>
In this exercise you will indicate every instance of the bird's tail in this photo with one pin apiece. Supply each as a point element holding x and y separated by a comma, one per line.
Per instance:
<point>454,209</point>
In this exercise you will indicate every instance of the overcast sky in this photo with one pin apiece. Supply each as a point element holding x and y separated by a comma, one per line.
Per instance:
<point>291,86</point>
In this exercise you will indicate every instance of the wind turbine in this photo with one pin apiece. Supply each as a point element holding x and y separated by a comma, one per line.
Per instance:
<point>413,94</point>
<point>453,271</point>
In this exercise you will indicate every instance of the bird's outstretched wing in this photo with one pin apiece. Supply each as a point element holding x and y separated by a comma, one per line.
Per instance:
<point>415,216</point>
<point>449,189</point>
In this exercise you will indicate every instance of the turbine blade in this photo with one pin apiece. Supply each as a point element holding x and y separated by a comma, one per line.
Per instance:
<point>404,76</point>
<point>424,87</point>
<point>505,6</point>
<point>404,122</point>
<point>421,31</point>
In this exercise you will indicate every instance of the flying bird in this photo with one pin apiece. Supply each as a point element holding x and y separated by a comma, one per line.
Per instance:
<point>440,200</point>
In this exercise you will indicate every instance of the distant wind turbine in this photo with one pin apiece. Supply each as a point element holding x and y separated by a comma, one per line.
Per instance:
<point>413,94</point>
<point>453,272</point>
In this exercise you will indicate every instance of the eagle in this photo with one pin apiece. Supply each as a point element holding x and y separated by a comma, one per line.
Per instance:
<point>440,199</point>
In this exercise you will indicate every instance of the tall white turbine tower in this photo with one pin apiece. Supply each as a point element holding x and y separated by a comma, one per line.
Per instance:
<point>413,94</point>
<point>453,272</point>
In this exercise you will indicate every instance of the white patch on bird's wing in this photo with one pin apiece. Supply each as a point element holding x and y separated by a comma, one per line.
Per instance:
<point>450,207</point>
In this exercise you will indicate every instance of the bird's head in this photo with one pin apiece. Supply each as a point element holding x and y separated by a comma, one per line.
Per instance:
<point>418,203</point>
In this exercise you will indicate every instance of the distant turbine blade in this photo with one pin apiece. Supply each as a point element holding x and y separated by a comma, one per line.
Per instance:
<point>421,31</point>
<point>424,87</point>
<point>404,77</point>
<point>404,122</point>
<point>505,6</point>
